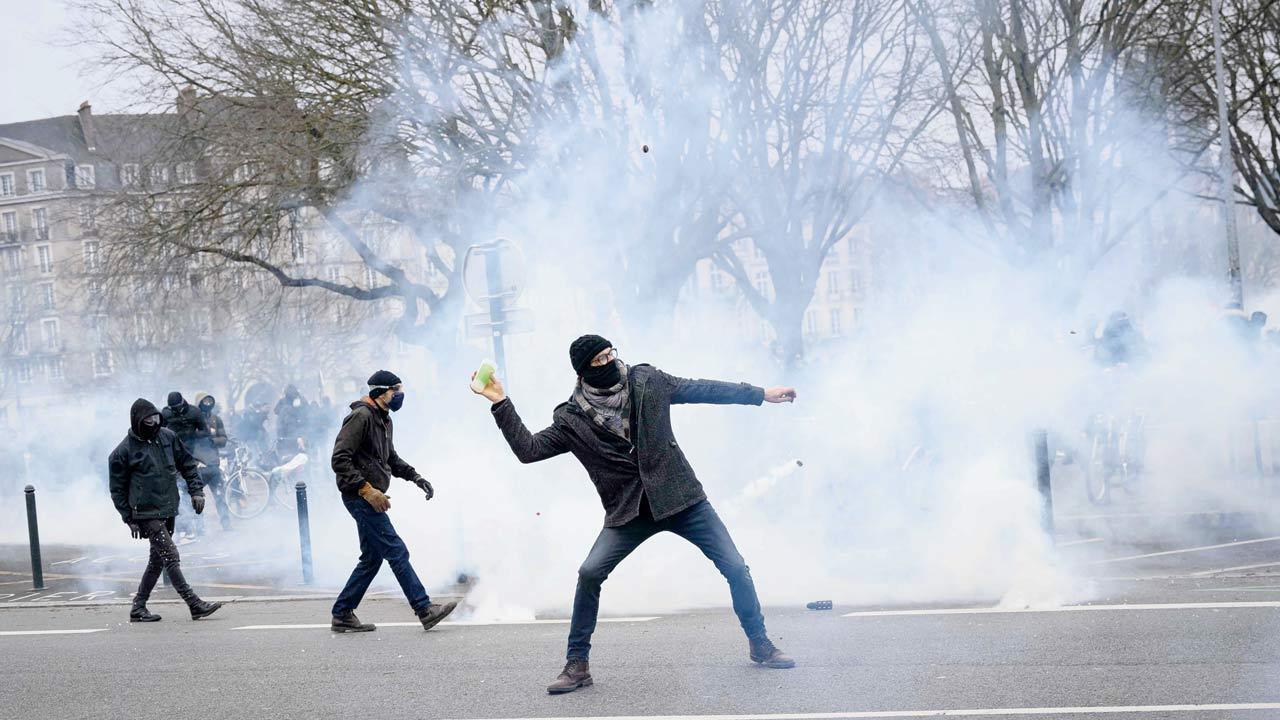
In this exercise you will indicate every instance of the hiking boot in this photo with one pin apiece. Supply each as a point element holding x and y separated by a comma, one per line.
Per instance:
<point>142,614</point>
<point>348,622</point>
<point>432,614</point>
<point>763,651</point>
<point>576,674</point>
<point>202,609</point>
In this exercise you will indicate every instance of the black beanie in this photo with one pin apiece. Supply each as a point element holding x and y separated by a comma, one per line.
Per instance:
<point>382,379</point>
<point>583,350</point>
<point>175,399</point>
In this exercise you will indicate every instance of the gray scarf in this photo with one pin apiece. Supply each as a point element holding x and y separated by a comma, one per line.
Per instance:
<point>610,408</point>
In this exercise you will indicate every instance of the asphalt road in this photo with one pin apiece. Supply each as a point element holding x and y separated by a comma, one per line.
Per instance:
<point>684,664</point>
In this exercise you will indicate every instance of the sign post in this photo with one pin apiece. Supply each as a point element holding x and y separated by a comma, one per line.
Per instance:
<point>493,275</point>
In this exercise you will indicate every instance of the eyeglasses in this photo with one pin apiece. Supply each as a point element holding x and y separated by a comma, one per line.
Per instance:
<point>605,358</point>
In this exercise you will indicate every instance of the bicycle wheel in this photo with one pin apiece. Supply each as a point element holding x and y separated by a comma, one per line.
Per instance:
<point>1097,473</point>
<point>247,494</point>
<point>285,494</point>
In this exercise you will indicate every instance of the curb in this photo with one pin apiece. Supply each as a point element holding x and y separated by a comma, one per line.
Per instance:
<point>236,599</point>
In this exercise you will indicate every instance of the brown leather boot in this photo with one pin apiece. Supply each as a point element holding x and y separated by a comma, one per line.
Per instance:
<point>431,615</point>
<point>763,651</point>
<point>576,674</point>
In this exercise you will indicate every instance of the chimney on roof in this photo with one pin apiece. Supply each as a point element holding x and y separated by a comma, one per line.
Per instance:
<point>86,126</point>
<point>186,99</point>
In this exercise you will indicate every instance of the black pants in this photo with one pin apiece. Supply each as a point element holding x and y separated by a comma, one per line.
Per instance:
<point>211,475</point>
<point>699,525</point>
<point>164,557</point>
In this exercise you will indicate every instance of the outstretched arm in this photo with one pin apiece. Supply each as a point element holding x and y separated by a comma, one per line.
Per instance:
<point>715,392</point>
<point>528,447</point>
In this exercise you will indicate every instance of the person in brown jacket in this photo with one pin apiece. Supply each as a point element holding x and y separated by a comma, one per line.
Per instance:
<point>364,459</point>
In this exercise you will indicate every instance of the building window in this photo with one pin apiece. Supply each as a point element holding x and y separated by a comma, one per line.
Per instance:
<point>40,221</point>
<point>186,173</point>
<point>102,363</point>
<point>50,335</point>
<point>6,185</point>
<point>86,177</point>
<point>9,226</point>
<point>53,368</point>
<point>22,371</point>
<point>35,181</point>
<point>369,277</point>
<point>95,290</point>
<point>13,259</point>
<point>142,329</point>
<point>837,326</point>
<point>98,330</point>
<point>88,218</point>
<point>718,279</point>
<point>811,322</point>
<point>158,174</point>
<point>17,301</point>
<point>833,285</point>
<point>297,242</point>
<point>854,285</point>
<point>91,254</point>
<point>20,338</point>
<point>333,274</point>
<point>762,282</point>
<point>45,253</point>
<point>47,301</point>
<point>129,175</point>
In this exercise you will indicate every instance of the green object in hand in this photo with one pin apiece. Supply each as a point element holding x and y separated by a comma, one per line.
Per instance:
<point>483,375</point>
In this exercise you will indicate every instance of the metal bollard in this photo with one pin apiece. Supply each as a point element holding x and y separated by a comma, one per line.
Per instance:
<point>304,532</point>
<point>1044,482</point>
<point>33,533</point>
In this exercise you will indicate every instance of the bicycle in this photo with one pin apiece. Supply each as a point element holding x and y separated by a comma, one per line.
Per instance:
<point>1116,450</point>
<point>249,491</point>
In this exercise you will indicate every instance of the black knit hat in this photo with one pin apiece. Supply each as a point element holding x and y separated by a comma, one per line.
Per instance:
<point>380,381</point>
<point>175,399</point>
<point>583,350</point>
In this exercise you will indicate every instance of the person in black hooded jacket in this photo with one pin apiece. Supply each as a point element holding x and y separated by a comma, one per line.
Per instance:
<point>143,472</point>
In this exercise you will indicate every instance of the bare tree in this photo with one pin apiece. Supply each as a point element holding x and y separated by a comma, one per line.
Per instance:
<point>1251,51</point>
<point>293,113</point>
<point>1055,109</point>
<point>825,103</point>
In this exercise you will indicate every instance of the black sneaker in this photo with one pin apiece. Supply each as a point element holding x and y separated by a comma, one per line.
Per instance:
<point>576,674</point>
<point>348,622</point>
<point>766,653</point>
<point>202,609</point>
<point>432,614</point>
<point>142,614</point>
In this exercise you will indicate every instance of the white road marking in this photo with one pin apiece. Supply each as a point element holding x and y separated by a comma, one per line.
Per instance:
<point>1072,543</point>
<point>52,632</point>
<point>1185,550</point>
<point>1243,605</point>
<point>1234,569</point>
<point>1006,712</point>
<point>564,621</point>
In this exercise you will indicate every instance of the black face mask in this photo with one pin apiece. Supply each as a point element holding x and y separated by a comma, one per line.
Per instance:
<point>206,408</point>
<point>396,402</point>
<point>149,427</point>
<point>603,377</point>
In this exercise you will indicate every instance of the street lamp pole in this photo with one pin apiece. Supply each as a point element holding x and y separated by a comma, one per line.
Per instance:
<point>1226,163</point>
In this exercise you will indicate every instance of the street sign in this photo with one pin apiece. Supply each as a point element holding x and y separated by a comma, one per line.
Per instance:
<point>493,272</point>
<point>514,321</point>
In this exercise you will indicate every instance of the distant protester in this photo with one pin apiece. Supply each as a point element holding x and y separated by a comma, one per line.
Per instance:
<point>186,421</point>
<point>364,460</point>
<point>617,423</point>
<point>142,473</point>
<point>208,450</point>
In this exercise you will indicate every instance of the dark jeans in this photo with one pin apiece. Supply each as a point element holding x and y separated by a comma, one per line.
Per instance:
<point>378,542</point>
<point>164,557</point>
<point>699,525</point>
<point>211,475</point>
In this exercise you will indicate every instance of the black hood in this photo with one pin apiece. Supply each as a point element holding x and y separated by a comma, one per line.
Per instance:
<point>141,409</point>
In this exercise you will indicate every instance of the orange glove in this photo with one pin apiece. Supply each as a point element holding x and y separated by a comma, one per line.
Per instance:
<point>375,498</point>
